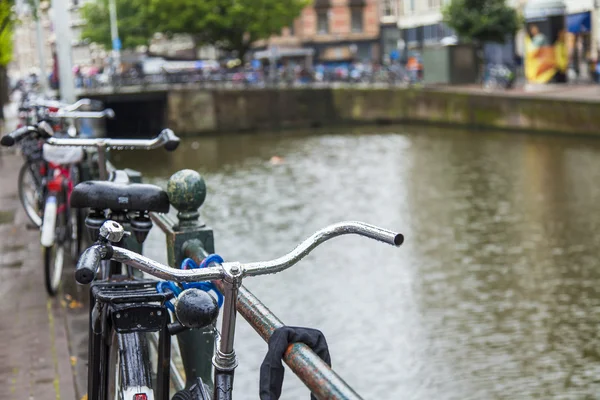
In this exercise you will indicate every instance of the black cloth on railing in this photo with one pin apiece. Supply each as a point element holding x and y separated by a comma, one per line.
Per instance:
<point>271,369</point>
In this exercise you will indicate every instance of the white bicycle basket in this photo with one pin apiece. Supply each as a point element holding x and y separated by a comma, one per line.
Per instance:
<point>62,155</point>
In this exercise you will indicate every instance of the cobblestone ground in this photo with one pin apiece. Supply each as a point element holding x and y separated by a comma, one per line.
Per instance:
<point>35,362</point>
<point>34,357</point>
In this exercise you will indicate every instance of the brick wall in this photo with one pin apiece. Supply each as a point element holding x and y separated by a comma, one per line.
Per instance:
<point>340,24</point>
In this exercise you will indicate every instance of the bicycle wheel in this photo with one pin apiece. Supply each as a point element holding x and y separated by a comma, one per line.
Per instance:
<point>53,238</point>
<point>54,259</point>
<point>76,229</point>
<point>129,367</point>
<point>31,191</point>
<point>76,219</point>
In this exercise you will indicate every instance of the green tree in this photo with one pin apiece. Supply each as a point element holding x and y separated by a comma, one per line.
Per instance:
<point>6,49</point>
<point>228,25</point>
<point>481,21</point>
<point>132,21</point>
<point>6,29</point>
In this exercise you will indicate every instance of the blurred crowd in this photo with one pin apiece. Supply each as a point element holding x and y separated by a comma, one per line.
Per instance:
<point>252,75</point>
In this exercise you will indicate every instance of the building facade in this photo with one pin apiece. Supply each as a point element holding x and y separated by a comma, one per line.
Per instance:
<point>25,54</point>
<point>330,31</point>
<point>390,37</point>
<point>420,25</point>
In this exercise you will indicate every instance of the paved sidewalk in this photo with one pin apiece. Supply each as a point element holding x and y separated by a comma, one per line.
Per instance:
<point>35,362</point>
<point>579,92</point>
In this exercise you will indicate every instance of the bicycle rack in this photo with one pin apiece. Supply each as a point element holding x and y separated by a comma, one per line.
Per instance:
<point>189,237</point>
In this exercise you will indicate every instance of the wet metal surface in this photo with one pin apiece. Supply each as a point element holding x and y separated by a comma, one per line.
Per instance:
<point>494,293</point>
<point>307,365</point>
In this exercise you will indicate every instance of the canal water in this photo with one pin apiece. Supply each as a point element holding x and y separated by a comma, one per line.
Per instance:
<point>495,293</point>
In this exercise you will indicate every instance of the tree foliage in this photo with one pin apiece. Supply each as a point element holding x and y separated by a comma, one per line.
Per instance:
<point>228,25</point>
<point>481,20</point>
<point>6,30</point>
<point>132,23</point>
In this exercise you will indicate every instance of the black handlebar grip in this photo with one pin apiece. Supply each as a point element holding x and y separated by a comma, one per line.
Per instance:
<point>172,140</point>
<point>15,136</point>
<point>87,265</point>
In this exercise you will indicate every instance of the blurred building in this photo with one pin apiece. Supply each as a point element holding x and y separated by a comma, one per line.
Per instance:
<point>25,53</point>
<point>180,47</point>
<point>329,31</point>
<point>420,23</point>
<point>389,12</point>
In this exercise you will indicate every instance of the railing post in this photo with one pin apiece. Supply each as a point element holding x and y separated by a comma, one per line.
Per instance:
<point>187,191</point>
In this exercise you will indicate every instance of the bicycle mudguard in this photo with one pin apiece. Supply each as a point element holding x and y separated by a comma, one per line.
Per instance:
<point>49,222</point>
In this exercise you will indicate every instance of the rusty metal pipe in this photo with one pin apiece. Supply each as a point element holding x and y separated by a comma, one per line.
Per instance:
<point>308,366</point>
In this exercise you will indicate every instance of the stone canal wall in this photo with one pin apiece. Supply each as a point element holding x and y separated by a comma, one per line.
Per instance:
<point>191,112</point>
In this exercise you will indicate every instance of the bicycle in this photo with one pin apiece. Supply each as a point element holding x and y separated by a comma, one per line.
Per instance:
<point>498,76</point>
<point>193,309</point>
<point>35,168</point>
<point>62,226</point>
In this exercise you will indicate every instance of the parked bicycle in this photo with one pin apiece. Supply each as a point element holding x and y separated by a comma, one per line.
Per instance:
<point>62,226</point>
<point>120,313</point>
<point>498,76</point>
<point>35,167</point>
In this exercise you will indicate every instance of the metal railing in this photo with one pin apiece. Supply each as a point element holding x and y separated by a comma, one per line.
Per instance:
<point>188,237</point>
<point>246,79</point>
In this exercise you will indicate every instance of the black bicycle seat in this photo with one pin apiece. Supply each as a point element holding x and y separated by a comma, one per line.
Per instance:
<point>119,196</point>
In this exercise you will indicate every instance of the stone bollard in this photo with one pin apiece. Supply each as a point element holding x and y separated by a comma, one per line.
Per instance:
<point>187,192</point>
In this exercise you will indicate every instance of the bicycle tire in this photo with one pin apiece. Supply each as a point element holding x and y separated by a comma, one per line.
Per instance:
<point>52,276</point>
<point>76,219</point>
<point>76,228</point>
<point>32,207</point>
<point>129,368</point>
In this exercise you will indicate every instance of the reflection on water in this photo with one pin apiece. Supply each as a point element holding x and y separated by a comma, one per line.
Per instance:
<point>494,293</point>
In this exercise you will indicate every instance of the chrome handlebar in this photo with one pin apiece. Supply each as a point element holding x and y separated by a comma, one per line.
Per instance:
<point>166,138</point>
<point>108,113</point>
<point>226,269</point>
<point>77,105</point>
<point>70,110</point>
<point>41,102</point>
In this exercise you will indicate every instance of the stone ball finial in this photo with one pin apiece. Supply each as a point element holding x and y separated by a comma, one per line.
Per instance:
<point>187,191</point>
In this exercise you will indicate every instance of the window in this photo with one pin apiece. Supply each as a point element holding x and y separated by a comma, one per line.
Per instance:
<point>357,20</point>
<point>412,6</point>
<point>434,33</point>
<point>411,37</point>
<point>387,8</point>
<point>434,3</point>
<point>291,29</point>
<point>322,22</point>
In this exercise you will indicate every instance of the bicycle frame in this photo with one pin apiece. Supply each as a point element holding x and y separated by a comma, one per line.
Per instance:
<point>59,186</point>
<point>102,321</point>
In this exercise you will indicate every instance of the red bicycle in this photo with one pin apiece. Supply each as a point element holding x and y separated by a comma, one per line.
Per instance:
<point>62,226</point>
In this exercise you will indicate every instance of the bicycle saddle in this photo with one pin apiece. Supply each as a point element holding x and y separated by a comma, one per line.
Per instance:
<point>119,196</point>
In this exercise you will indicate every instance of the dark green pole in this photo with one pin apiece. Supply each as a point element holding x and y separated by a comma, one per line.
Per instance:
<point>187,191</point>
